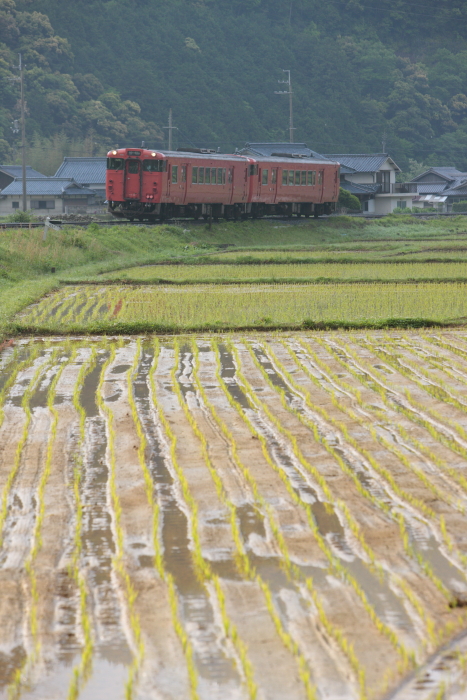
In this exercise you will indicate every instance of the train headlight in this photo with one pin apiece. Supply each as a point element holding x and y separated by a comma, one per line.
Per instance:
<point>153,155</point>
<point>114,153</point>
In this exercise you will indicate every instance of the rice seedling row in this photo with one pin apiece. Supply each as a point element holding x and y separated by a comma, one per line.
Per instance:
<point>175,513</point>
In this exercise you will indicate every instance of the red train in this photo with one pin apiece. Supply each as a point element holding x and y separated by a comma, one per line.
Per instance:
<point>155,185</point>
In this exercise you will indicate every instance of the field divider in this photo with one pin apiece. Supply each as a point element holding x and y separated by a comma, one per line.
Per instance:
<point>407,656</point>
<point>291,569</point>
<point>118,559</point>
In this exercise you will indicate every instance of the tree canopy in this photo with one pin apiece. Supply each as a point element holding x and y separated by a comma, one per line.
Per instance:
<point>364,72</point>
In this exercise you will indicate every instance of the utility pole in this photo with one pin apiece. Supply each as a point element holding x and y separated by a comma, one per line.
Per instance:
<point>23,133</point>
<point>290,94</point>
<point>171,128</point>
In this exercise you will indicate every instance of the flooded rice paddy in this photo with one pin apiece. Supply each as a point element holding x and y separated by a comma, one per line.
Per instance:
<point>234,518</point>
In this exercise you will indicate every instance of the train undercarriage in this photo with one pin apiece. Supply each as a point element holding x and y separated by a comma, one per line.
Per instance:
<point>139,211</point>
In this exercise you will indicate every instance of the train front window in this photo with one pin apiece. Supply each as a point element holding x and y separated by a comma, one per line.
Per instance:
<point>133,167</point>
<point>114,163</point>
<point>154,166</point>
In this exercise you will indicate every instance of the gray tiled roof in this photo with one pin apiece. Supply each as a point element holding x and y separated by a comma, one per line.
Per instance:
<point>456,188</point>
<point>431,187</point>
<point>363,162</point>
<point>17,171</point>
<point>84,170</point>
<point>46,186</point>
<point>449,173</point>
<point>267,149</point>
<point>355,188</point>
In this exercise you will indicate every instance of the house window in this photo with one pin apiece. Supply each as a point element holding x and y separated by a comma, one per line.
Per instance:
<point>43,204</point>
<point>383,177</point>
<point>264,177</point>
<point>402,204</point>
<point>15,205</point>
<point>194,176</point>
<point>366,206</point>
<point>174,174</point>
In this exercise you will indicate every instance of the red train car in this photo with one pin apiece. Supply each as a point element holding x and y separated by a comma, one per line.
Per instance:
<point>156,185</point>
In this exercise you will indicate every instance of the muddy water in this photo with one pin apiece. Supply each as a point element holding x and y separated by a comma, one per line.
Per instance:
<point>219,675</point>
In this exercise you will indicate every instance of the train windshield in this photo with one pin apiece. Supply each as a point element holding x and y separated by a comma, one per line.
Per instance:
<point>114,163</point>
<point>155,166</point>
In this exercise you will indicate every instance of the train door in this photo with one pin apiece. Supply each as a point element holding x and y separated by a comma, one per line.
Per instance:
<point>230,183</point>
<point>184,182</point>
<point>320,184</point>
<point>132,179</point>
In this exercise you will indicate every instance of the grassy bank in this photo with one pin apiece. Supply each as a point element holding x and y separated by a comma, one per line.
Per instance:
<point>30,267</point>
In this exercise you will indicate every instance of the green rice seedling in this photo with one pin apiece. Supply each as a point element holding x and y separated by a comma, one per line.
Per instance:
<point>20,679</point>
<point>388,477</point>
<point>118,560</point>
<point>25,404</point>
<point>244,567</point>
<point>363,491</point>
<point>82,671</point>
<point>335,563</point>
<point>17,368</point>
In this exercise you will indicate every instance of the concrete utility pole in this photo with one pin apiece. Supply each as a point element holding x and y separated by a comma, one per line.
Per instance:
<point>23,133</point>
<point>290,94</point>
<point>171,128</point>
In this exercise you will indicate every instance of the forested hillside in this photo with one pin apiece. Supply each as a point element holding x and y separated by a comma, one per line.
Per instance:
<point>101,73</point>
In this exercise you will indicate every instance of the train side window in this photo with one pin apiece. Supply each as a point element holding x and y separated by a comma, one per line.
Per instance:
<point>320,177</point>
<point>285,177</point>
<point>253,169</point>
<point>213,176</point>
<point>183,173</point>
<point>311,177</point>
<point>303,177</point>
<point>114,163</point>
<point>291,177</point>
<point>274,177</point>
<point>230,176</point>
<point>265,177</point>
<point>194,176</point>
<point>224,172</point>
<point>174,174</point>
<point>219,176</point>
<point>201,176</point>
<point>133,167</point>
<point>297,177</point>
<point>207,176</point>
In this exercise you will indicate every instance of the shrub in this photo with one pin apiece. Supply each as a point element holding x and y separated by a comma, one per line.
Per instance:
<point>348,201</point>
<point>460,206</point>
<point>21,217</point>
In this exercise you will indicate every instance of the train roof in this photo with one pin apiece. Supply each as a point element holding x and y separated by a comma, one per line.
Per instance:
<point>285,159</point>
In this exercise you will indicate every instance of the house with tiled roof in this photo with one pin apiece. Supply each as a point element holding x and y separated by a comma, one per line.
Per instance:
<point>9,172</point>
<point>89,172</point>
<point>440,187</point>
<point>372,178</point>
<point>279,148</point>
<point>47,195</point>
